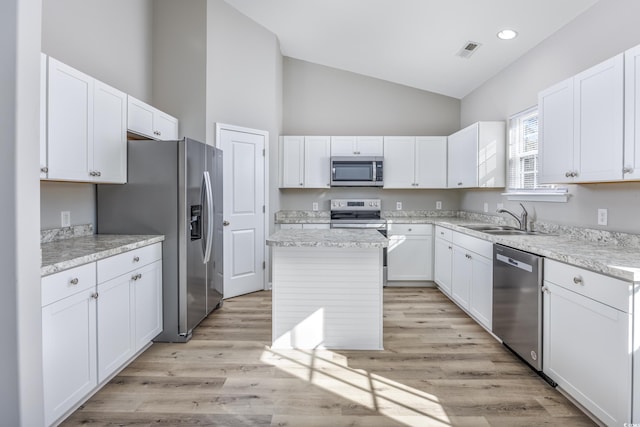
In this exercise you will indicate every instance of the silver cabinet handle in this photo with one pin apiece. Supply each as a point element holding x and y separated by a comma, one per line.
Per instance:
<point>225,223</point>
<point>136,276</point>
<point>95,295</point>
<point>98,173</point>
<point>567,174</point>
<point>410,229</point>
<point>92,173</point>
<point>44,169</point>
<point>136,259</point>
<point>450,247</point>
<point>460,183</point>
<point>74,281</point>
<point>545,290</point>
<point>624,170</point>
<point>301,184</point>
<point>577,280</point>
<point>468,256</point>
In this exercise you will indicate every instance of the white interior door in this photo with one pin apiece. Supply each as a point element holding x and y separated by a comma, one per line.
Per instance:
<point>244,209</point>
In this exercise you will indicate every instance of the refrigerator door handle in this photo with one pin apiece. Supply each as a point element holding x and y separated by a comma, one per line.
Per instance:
<point>208,196</point>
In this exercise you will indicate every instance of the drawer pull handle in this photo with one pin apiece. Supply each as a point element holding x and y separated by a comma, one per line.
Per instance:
<point>410,229</point>
<point>74,281</point>
<point>136,258</point>
<point>136,276</point>
<point>95,295</point>
<point>577,280</point>
<point>468,256</point>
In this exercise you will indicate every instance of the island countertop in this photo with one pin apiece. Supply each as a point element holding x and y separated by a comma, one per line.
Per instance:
<point>331,238</point>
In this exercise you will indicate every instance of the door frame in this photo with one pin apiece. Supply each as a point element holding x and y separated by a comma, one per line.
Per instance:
<point>265,134</point>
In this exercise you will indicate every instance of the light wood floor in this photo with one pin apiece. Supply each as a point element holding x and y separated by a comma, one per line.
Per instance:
<point>438,368</point>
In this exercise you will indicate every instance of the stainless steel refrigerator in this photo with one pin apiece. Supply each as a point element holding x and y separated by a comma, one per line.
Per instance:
<point>173,188</point>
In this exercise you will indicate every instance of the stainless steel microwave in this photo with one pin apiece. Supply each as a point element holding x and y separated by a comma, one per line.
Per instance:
<point>356,171</point>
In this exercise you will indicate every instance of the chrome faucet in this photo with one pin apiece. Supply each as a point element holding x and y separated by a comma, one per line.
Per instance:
<point>522,221</point>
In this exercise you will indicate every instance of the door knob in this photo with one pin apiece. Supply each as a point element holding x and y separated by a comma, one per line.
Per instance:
<point>225,223</point>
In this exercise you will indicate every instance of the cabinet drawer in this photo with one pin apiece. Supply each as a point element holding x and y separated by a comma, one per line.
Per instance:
<point>411,229</point>
<point>65,283</point>
<point>607,290</point>
<point>120,264</point>
<point>473,244</point>
<point>443,233</point>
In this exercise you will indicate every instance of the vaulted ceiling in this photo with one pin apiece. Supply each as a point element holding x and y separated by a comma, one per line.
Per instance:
<point>412,42</point>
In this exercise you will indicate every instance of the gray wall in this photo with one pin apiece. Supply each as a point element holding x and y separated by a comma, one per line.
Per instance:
<point>111,41</point>
<point>180,63</point>
<point>244,80</point>
<point>606,29</point>
<point>20,312</point>
<point>320,100</point>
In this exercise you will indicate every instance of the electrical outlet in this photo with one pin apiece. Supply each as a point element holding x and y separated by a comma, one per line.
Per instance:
<point>486,207</point>
<point>65,219</point>
<point>500,206</point>
<point>438,204</point>
<point>398,206</point>
<point>603,216</point>
<point>315,206</point>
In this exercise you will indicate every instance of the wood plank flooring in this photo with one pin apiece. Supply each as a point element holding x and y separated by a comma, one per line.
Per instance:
<point>439,368</point>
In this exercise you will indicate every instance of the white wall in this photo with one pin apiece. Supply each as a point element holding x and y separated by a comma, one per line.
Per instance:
<point>20,313</point>
<point>320,100</point>
<point>111,41</point>
<point>180,63</point>
<point>244,80</point>
<point>606,29</point>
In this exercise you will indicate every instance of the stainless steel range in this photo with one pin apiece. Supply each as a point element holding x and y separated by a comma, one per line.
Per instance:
<point>360,214</point>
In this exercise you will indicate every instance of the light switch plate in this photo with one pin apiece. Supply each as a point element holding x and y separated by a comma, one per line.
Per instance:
<point>486,207</point>
<point>65,219</point>
<point>398,206</point>
<point>315,206</point>
<point>438,204</point>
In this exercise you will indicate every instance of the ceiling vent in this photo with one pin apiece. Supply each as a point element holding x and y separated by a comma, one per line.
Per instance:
<point>468,49</point>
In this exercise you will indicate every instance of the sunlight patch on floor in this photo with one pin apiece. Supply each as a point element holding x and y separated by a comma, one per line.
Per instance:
<point>330,371</point>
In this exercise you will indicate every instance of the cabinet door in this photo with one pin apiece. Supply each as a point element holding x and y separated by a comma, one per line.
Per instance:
<point>43,116</point>
<point>140,117</point>
<point>115,325</point>
<point>443,257</point>
<point>399,162</point>
<point>583,336</point>
<point>69,352</point>
<point>343,145</point>
<point>409,258</point>
<point>430,162</point>
<point>632,114</point>
<point>463,158</point>
<point>369,146</point>
<point>108,153</point>
<point>70,122</point>
<point>555,127</point>
<point>481,293</point>
<point>317,165</point>
<point>165,126</point>
<point>461,273</point>
<point>147,290</point>
<point>292,161</point>
<point>598,121</point>
<point>491,156</point>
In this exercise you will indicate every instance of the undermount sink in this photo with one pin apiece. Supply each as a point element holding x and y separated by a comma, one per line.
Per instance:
<point>501,230</point>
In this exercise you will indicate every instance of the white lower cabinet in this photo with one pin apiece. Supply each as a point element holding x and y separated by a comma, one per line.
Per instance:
<point>587,339</point>
<point>68,339</point>
<point>464,272</point>
<point>95,318</point>
<point>410,252</point>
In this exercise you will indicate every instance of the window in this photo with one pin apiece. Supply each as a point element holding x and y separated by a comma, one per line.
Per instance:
<point>523,161</point>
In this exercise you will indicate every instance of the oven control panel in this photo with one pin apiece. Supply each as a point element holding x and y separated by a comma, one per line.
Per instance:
<point>355,204</point>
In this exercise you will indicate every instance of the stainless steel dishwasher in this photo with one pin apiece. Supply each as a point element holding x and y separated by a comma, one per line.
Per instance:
<point>517,302</point>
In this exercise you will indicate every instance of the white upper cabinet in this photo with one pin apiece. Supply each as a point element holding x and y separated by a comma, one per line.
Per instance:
<point>581,126</point>
<point>476,156</point>
<point>86,127</point>
<point>357,146</point>
<point>43,116</point>
<point>304,162</point>
<point>632,114</point>
<point>415,162</point>
<point>148,121</point>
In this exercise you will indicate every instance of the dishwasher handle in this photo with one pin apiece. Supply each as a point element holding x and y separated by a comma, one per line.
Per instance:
<point>514,263</point>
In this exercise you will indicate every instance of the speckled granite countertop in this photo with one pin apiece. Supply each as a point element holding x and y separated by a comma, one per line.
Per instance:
<point>68,253</point>
<point>611,253</point>
<point>332,238</point>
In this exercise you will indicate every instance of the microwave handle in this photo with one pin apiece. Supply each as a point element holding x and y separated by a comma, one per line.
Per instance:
<point>374,171</point>
<point>333,172</point>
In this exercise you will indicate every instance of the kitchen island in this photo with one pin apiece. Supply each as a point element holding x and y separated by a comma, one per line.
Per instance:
<point>327,289</point>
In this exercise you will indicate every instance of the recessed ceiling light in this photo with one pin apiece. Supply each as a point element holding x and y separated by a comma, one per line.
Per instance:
<point>507,34</point>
